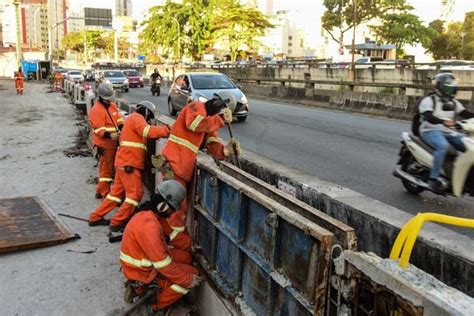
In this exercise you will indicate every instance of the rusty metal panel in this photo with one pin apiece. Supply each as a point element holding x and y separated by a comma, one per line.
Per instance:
<point>27,222</point>
<point>262,254</point>
<point>343,234</point>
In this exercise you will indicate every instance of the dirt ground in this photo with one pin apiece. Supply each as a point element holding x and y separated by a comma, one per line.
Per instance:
<point>36,130</point>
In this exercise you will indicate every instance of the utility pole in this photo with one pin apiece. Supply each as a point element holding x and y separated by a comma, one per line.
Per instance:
<point>57,32</point>
<point>19,56</point>
<point>353,42</point>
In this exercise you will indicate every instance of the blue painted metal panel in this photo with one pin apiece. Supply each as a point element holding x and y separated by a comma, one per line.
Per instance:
<point>206,236</point>
<point>255,287</point>
<point>208,195</point>
<point>275,265</point>
<point>229,210</point>
<point>296,249</point>
<point>258,237</point>
<point>228,261</point>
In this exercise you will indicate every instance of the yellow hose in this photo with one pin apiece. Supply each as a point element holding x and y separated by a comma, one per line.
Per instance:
<point>407,237</point>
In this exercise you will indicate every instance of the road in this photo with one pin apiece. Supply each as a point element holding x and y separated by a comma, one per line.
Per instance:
<point>354,151</point>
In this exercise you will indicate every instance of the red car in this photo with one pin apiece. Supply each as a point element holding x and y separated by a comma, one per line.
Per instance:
<point>135,79</point>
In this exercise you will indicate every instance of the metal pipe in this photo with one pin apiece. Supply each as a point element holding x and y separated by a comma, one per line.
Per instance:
<point>353,41</point>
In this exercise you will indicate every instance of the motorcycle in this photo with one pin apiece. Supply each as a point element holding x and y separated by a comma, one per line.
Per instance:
<point>156,87</point>
<point>416,160</point>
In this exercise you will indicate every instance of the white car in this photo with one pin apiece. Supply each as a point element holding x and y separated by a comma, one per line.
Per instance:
<point>75,75</point>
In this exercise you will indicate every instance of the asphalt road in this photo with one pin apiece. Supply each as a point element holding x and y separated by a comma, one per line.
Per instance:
<point>354,151</point>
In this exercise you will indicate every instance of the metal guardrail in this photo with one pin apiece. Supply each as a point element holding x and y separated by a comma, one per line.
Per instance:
<point>258,252</point>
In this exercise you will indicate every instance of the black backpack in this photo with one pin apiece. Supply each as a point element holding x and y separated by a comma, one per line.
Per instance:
<point>416,121</point>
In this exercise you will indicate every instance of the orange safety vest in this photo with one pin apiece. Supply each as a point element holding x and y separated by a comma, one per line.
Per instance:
<point>144,253</point>
<point>102,122</point>
<point>133,141</point>
<point>192,129</point>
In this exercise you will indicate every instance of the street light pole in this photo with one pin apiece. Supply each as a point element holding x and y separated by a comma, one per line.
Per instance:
<point>50,43</point>
<point>179,38</point>
<point>34,23</point>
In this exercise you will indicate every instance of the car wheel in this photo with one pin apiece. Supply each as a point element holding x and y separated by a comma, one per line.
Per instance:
<point>126,90</point>
<point>171,109</point>
<point>141,86</point>
<point>242,118</point>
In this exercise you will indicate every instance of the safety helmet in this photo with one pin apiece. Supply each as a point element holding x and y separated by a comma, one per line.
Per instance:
<point>173,192</point>
<point>149,106</point>
<point>445,84</point>
<point>105,91</point>
<point>228,98</point>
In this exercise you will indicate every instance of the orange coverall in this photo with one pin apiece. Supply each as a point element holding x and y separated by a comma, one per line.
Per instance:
<point>129,163</point>
<point>192,130</point>
<point>105,121</point>
<point>144,257</point>
<point>19,82</point>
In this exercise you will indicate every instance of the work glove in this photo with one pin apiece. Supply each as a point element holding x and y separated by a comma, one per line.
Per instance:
<point>226,115</point>
<point>115,135</point>
<point>196,281</point>
<point>229,148</point>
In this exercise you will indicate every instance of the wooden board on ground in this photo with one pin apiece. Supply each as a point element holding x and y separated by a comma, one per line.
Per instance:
<point>27,222</point>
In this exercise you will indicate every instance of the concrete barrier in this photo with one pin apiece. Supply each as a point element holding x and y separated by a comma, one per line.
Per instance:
<point>441,252</point>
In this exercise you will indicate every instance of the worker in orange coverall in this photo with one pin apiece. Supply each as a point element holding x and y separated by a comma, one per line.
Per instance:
<point>145,256</point>
<point>19,81</point>
<point>129,164</point>
<point>106,122</point>
<point>195,128</point>
<point>58,77</point>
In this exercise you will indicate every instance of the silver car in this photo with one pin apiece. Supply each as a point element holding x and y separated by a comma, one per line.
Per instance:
<point>202,86</point>
<point>74,75</point>
<point>116,78</point>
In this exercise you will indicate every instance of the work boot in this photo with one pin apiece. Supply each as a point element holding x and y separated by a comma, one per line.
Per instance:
<point>116,229</point>
<point>98,195</point>
<point>100,222</point>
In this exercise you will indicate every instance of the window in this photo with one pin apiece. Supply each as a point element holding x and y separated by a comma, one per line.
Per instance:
<point>290,44</point>
<point>290,38</point>
<point>290,51</point>
<point>202,82</point>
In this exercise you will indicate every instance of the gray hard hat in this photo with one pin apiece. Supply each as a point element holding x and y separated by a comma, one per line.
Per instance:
<point>105,91</point>
<point>229,98</point>
<point>173,192</point>
<point>149,105</point>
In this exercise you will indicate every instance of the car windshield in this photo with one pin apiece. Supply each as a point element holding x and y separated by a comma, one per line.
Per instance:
<point>74,73</point>
<point>113,74</point>
<point>131,73</point>
<point>202,82</point>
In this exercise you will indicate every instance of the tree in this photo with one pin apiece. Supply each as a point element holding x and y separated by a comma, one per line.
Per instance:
<point>401,29</point>
<point>189,20</point>
<point>73,41</point>
<point>238,27</point>
<point>201,24</point>
<point>444,43</point>
<point>467,47</point>
<point>339,16</point>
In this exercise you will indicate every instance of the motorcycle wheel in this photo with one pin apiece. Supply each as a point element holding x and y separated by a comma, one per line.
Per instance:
<point>158,91</point>
<point>410,187</point>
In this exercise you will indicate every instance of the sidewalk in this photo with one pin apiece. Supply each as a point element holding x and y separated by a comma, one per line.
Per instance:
<point>36,129</point>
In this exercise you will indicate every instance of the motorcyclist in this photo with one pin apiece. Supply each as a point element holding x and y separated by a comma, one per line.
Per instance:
<point>438,114</point>
<point>155,75</point>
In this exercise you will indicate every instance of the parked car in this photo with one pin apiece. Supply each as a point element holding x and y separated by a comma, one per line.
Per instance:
<point>202,86</point>
<point>135,79</point>
<point>74,75</point>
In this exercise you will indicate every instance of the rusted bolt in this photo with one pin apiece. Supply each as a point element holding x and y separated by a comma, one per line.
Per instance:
<point>213,181</point>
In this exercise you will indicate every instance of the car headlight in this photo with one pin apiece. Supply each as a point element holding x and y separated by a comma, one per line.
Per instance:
<point>244,99</point>
<point>125,81</point>
<point>107,81</point>
<point>202,99</point>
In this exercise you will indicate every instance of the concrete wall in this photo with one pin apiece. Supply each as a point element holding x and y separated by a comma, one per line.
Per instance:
<point>441,252</point>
